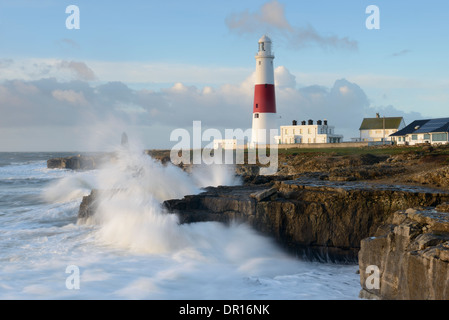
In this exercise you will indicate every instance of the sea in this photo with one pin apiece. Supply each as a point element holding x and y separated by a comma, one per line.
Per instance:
<point>132,249</point>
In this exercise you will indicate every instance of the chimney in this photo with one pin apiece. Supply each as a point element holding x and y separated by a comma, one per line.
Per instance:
<point>294,123</point>
<point>310,122</point>
<point>319,122</point>
<point>325,122</point>
<point>303,123</point>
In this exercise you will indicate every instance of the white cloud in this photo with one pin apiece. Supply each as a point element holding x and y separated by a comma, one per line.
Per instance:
<point>283,78</point>
<point>124,71</point>
<point>270,14</point>
<point>344,90</point>
<point>76,98</point>
<point>79,69</point>
<point>271,19</point>
<point>80,105</point>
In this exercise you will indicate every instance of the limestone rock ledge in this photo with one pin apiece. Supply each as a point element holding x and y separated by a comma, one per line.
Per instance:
<point>319,220</point>
<point>411,252</point>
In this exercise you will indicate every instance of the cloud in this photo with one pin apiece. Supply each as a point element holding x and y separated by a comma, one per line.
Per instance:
<point>271,19</point>
<point>125,71</point>
<point>5,63</point>
<point>270,14</point>
<point>79,69</point>
<point>401,53</point>
<point>76,98</point>
<point>283,78</point>
<point>38,68</point>
<point>111,108</point>
<point>344,105</point>
<point>68,43</point>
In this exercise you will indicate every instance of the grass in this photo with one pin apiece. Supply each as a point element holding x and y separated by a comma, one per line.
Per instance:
<point>364,150</point>
<point>375,150</point>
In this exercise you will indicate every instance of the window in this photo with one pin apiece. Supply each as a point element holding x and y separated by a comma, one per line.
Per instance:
<point>414,137</point>
<point>426,136</point>
<point>257,105</point>
<point>256,115</point>
<point>260,62</point>
<point>439,137</point>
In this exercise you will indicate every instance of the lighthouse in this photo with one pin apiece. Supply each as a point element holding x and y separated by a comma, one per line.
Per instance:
<point>264,108</point>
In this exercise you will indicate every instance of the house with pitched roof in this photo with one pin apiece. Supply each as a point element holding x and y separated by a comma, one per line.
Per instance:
<point>380,128</point>
<point>433,131</point>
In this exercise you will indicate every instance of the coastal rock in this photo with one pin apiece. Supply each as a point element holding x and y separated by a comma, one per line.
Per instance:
<point>79,162</point>
<point>436,176</point>
<point>411,254</point>
<point>320,219</point>
<point>261,195</point>
<point>88,206</point>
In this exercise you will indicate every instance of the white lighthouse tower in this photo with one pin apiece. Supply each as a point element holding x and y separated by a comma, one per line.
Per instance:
<point>264,108</point>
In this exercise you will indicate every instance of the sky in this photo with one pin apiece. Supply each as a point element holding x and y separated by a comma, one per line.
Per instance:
<point>149,67</point>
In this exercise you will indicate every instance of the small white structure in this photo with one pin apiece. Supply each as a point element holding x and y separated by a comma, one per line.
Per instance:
<point>380,128</point>
<point>226,144</point>
<point>432,131</point>
<point>308,132</point>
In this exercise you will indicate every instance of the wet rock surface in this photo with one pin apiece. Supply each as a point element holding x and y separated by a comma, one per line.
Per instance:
<point>411,252</point>
<point>316,219</point>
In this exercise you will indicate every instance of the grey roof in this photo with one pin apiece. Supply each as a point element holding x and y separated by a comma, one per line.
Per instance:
<point>381,123</point>
<point>424,126</point>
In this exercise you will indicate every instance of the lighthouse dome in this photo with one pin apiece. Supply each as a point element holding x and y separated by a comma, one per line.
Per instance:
<point>265,38</point>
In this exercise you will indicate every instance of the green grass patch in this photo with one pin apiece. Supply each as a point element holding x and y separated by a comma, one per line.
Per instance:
<point>352,150</point>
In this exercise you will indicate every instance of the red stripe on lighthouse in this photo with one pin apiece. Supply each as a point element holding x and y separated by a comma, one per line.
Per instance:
<point>264,99</point>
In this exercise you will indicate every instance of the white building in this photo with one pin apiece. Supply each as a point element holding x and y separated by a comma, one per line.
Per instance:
<point>433,131</point>
<point>380,128</point>
<point>226,144</point>
<point>308,132</point>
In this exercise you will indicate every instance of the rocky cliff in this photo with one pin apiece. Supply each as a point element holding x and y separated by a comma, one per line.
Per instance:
<point>313,218</point>
<point>408,257</point>
<point>319,219</point>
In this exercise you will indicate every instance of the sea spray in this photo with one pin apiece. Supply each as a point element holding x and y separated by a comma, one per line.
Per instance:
<point>71,187</point>
<point>131,189</point>
<point>130,216</point>
<point>209,260</point>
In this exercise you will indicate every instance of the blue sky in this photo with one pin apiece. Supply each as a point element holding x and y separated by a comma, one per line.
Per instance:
<point>132,61</point>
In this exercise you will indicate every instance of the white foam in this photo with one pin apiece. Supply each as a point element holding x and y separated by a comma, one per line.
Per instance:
<point>135,250</point>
